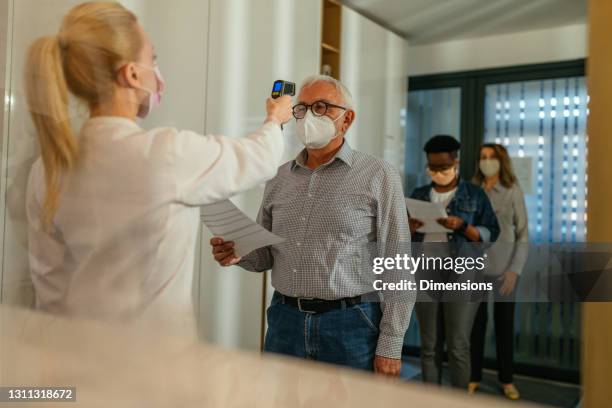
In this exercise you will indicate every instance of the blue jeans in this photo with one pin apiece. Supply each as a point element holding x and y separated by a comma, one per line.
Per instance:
<point>346,337</point>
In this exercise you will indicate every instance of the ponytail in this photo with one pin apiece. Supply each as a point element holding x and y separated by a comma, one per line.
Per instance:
<point>94,40</point>
<point>47,94</point>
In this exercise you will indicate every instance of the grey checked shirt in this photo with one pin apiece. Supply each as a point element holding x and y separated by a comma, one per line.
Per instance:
<point>335,219</point>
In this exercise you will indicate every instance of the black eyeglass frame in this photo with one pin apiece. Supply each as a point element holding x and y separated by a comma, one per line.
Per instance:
<point>440,170</point>
<point>307,107</point>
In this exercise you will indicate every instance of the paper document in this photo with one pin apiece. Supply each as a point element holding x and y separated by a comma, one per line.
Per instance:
<point>428,213</point>
<point>225,220</point>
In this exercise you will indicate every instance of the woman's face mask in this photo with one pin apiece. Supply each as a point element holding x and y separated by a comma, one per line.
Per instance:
<point>315,132</point>
<point>443,178</point>
<point>155,96</point>
<point>489,167</point>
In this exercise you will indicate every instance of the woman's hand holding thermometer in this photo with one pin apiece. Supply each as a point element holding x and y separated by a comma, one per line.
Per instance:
<point>279,110</point>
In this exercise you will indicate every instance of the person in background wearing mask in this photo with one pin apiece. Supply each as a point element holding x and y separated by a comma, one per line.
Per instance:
<point>330,203</point>
<point>506,261</point>
<point>470,219</point>
<point>113,213</point>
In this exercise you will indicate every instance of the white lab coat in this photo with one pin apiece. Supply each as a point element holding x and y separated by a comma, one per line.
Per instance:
<point>122,245</point>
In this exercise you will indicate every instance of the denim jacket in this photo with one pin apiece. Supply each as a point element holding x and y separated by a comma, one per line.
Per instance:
<point>469,203</point>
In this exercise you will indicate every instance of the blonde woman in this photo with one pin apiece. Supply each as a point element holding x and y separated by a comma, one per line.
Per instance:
<point>506,261</point>
<point>113,210</point>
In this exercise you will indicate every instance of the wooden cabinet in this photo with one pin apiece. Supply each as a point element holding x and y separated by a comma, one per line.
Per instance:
<point>331,38</point>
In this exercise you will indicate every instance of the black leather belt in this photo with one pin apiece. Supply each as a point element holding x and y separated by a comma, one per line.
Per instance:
<point>314,306</point>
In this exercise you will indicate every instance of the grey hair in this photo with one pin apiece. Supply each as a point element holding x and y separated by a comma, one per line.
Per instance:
<point>340,87</point>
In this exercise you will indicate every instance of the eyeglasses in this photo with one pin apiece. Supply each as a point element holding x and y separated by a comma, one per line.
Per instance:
<point>319,108</point>
<point>440,169</point>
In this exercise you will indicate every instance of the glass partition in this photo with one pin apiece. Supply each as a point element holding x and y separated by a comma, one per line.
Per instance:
<point>430,112</point>
<point>539,113</point>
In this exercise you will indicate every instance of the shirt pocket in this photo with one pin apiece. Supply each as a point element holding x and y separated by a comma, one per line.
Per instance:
<point>286,216</point>
<point>349,216</point>
<point>466,209</point>
<point>467,205</point>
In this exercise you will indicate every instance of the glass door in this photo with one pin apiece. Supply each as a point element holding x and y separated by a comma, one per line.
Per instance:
<point>430,112</point>
<point>543,126</point>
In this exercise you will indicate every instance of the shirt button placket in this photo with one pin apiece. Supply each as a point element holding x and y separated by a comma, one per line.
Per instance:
<point>310,193</point>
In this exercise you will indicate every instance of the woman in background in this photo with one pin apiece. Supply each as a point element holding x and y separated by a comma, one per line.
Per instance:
<point>506,260</point>
<point>113,213</point>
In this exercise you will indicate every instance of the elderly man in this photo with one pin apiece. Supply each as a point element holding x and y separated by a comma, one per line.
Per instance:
<point>333,205</point>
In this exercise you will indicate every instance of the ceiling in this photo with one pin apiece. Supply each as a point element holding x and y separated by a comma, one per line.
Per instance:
<point>430,21</point>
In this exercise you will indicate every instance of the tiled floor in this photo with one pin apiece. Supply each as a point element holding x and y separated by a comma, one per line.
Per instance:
<point>531,389</point>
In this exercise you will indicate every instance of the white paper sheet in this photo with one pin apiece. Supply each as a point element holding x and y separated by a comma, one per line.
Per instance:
<point>428,213</point>
<point>225,220</point>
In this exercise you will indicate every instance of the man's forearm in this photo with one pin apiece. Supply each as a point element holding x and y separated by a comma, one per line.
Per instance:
<point>393,326</point>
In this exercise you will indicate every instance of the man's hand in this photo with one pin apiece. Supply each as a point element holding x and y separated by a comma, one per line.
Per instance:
<point>387,366</point>
<point>224,251</point>
<point>415,224</point>
<point>451,222</point>
<point>508,280</point>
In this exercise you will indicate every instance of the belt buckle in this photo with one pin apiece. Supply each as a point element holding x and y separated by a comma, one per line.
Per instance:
<point>299,302</point>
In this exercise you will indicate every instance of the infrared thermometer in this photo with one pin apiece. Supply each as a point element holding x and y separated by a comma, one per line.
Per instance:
<point>281,88</point>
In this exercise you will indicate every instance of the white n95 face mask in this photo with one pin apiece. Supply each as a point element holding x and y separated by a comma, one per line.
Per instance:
<point>315,132</point>
<point>443,178</point>
<point>489,167</point>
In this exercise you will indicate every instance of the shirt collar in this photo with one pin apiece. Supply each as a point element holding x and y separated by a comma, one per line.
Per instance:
<point>111,120</point>
<point>498,187</point>
<point>346,154</point>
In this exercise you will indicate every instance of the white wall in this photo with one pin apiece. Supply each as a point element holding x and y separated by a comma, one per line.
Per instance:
<point>179,32</point>
<point>373,69</point>
<point>529,47</point>
<point>30,20</point>
<point>4,20</point>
